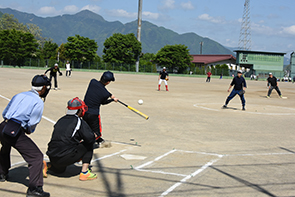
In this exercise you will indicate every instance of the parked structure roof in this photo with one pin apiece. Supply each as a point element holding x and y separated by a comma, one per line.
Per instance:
<point>209,59</point>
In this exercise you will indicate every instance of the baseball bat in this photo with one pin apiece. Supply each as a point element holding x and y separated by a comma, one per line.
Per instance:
<point>134,110</point>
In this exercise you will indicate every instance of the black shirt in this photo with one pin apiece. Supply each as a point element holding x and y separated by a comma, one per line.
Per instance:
<point>95,96</point>
<point>62,142</point>
<point>53,71</point>
<point>238,82</point>
<point>163,74</point>
<point>272,81</point>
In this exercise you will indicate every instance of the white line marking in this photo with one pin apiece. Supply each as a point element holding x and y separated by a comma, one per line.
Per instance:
<point>110,155</point>
<point>4,97</point>
<point>259,154</point>
<point>156,159</point>
<point>204,167</point>
<point>203,153</point>
<point>161,172</point>
<point>199,105</point>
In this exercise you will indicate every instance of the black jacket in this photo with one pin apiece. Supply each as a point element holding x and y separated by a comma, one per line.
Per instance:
<point>53,71</point>
<point>62,142</point>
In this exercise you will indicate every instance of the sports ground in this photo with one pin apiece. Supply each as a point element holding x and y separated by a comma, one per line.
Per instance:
<point>188,147</point>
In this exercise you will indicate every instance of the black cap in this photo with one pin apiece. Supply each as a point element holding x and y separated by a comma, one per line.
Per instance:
<point>107,76</point>
<point>40,80</point>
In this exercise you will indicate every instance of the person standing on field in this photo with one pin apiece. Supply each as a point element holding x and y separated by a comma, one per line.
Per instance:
<point>97,95</point>
<point>163,76</point>
<point>272,83</point>
<point>68,69</point>
<point>53,71</point>
<point>21,116</point>
<point>239,84</point>
<point>208,76</point>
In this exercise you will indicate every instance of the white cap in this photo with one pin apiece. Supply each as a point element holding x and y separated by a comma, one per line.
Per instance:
<point>270,74</point>
<point>55,64</point>
<point>240,71</point>
<point>164,68</point>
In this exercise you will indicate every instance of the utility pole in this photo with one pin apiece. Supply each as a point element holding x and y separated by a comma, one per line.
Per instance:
<point>139,29</point>
<point>201,47</point>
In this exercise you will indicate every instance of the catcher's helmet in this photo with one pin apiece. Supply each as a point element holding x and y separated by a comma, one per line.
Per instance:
<point>75,104</point>
<point>107,76</point>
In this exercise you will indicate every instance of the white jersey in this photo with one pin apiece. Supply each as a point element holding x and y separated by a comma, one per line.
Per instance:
<point>68,66</point>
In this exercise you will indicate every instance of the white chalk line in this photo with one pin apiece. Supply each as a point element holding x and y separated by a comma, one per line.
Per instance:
<point>204,167</point>
<point>53,122</point>
<point>199,105</point>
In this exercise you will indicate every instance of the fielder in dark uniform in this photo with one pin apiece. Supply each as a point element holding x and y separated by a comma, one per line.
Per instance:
<point>21,117</point>
<point>53,71</point>
<point>97,95</point>
<point>239,84</point>
<point>163,76</point>
<point>272,83</point>
<point>72,139</point>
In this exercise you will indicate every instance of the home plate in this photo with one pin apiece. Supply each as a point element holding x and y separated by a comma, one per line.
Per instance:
<point>132,157</point>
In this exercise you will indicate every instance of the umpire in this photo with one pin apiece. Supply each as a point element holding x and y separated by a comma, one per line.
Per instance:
<point>239,84</point>
<point>21,115</point>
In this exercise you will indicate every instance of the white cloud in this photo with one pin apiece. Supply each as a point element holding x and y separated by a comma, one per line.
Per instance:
<point>289,30</point>
<point>150,15</point>
<point>207,17</point>
<point>133,15</point>
<point>70,9</point>
<point>168,4</point>
<point>187,6</point>
<point>93,8</point>
<point>47,10</point>
<point>122,13</point>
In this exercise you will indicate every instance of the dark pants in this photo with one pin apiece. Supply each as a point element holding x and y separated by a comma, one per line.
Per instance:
<point>208,79</point>
<point>28,150</point>
<point>68,71</point>
<point>94,122</point>
<point>59,164</point>
<point>55,80</point>
<point>274,87</point>
<point>233,94</point>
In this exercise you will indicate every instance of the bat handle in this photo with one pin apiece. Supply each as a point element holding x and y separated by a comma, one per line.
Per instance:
<point>122,103</point>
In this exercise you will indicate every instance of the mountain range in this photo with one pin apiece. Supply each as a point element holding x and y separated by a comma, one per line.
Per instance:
<point>94,26</point>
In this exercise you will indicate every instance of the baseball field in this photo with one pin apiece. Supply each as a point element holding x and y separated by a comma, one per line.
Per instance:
<point>190,146</point>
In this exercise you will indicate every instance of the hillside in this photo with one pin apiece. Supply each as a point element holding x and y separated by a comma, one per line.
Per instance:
<point>94,26</point>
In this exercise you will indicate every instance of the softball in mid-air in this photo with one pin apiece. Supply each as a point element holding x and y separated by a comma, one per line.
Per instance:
<point>140,102</point>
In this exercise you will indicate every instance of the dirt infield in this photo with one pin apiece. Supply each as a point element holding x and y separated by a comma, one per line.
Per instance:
<point>191,146</point>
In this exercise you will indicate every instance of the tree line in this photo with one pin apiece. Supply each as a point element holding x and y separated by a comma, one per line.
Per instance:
<point>20,41</point>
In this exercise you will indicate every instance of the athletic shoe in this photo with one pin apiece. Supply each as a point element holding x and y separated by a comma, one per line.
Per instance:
<point>281,96</point>
<point>45,169</point>
<point>88,176</point>
<point>267,97</point>
<point>3,177</point>
<point>243,109</point>
<point>55,88</point>
<point>224,106</point>
<point>38,191</point>
<point>100,140</point>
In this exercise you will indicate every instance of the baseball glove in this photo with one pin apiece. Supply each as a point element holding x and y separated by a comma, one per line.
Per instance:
<point>241,92</point>
<point>60,74</point>
<point>167,79</point>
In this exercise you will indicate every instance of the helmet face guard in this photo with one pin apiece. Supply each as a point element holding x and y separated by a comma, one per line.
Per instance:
<point>83,106</point>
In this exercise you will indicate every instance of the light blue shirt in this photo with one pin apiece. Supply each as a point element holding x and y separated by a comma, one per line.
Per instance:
<point>26,107</point>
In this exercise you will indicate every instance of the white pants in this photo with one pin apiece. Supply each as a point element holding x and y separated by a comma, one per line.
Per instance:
<point>161,80</point>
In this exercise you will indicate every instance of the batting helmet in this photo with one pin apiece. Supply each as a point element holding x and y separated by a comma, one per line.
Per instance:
<point>107,76</point>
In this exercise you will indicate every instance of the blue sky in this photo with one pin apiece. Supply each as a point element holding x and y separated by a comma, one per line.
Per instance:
<point>272,21</point>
